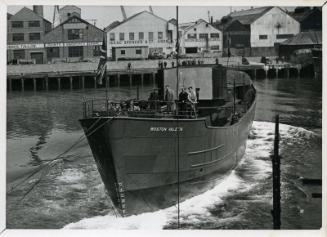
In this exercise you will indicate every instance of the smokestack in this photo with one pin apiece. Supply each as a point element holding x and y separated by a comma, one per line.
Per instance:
<point>38,9</point>
<point>211,20</point>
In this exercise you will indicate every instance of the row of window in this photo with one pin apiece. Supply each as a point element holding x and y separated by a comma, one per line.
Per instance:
<point>20,24</point>
<point>203,36</point>
<point>53,52</point>
<point>73,34</point>
<point>278,36</point>
<point>131,36</point>
<point>137,51</point>
<point>31,36</point>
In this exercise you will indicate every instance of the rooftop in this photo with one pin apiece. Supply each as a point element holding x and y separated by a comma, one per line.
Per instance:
<point>305,38</point>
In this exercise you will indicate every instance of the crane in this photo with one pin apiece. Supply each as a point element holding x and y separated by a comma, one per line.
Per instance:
<point>123,12</point>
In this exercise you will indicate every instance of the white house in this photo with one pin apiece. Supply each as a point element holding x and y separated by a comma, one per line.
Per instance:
<point>140,35</point>
<point>200,36</point>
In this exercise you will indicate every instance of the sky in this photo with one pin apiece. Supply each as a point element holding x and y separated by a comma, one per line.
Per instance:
<point>107,14</point>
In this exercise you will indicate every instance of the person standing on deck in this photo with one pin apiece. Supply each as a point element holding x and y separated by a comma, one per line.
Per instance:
<point>183,98</point>
<point>192,98</point>
<point>169,98</point>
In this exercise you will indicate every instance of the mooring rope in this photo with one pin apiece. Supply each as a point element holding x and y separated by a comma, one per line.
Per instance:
<point>50,162</point>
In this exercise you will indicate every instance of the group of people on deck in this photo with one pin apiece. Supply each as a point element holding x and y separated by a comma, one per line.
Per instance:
<point>186,103</point>
<point>187,100</point>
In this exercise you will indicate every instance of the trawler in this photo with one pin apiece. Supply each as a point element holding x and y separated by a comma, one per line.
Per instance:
<point>153,154</point>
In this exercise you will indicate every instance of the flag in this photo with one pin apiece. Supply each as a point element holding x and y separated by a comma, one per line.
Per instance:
<point>102,62</point>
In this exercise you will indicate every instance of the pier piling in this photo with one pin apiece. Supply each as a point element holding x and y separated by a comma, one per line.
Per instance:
<point>46,83</point>
<point>34,84</point>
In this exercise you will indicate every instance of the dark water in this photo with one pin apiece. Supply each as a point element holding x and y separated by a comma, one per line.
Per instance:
<point>71,194</point>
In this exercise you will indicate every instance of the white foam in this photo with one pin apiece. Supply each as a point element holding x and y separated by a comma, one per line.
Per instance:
<point>70,176</point>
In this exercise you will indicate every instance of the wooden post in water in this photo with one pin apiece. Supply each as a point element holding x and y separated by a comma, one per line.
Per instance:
<point>130,80</point>
<point>154,80</point>
<point>276,178</point>
<point>10,84</point>
<point>71,83</point>
<point>22,82</point>
<point>46,83</point>
<point>142,80</point>
<point>34,84</point>
<point>95,82</point>
<point>59,81</point>
<point>83,82</point>
<point>118,80</point>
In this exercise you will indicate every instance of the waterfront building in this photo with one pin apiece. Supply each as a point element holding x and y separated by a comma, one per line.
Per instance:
<point>200,37</point>
<point>303,41</point>
<point>73,40</point>
<point>310,19</point>
<point>257,31</point>
<point>140,36</point>
<point>25,36</point>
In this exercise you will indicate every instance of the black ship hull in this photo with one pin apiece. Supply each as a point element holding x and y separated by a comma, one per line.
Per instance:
<point>145,162</point>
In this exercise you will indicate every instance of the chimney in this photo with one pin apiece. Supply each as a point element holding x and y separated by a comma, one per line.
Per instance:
<point>38,9</point>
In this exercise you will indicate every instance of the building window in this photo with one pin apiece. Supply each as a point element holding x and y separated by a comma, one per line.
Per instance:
<point>18,37</point>
<point>75,34</point>
<point>17,24</point>
<point>34,36</point>
<point>97,50</point>
<point>160,35</point>
<point>75,51</point>
<point>203,36</point>
<point>215,47</point>
<point>131,36</point>
<point>122,52</point>
<point>191,36</point>
<point>121,36</point>
<point>263,37</point>
<point>34,24</point>
<point>141,36</point>
<point>138,51</point>
<point>284,36</point>
<point>214,35</point>
<point>151,36</point>
<point>19,54</point>
<point>112,36</point>
<point>53,52</point>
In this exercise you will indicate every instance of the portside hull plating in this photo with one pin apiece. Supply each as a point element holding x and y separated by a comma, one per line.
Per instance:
<point>138,158</point>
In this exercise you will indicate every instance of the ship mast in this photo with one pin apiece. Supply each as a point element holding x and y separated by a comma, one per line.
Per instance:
<point>177,85</point>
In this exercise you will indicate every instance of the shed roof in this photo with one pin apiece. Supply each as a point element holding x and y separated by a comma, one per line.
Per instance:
<point>26,10</point>
<point>305,38</point>
<point>117,23</point>
<point>246,17</point>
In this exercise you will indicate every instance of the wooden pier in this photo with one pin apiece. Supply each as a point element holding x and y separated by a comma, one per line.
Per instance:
<point>142,73</point>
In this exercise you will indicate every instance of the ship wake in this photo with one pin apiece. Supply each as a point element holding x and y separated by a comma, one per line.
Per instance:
<point>245,188</point>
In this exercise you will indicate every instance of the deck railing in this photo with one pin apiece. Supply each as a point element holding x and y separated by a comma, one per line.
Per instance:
<point>139,108</point>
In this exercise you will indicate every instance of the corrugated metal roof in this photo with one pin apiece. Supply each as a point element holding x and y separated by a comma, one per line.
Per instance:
<point>252,11</point>
<point>305,38</point>
<point>246,17</point>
